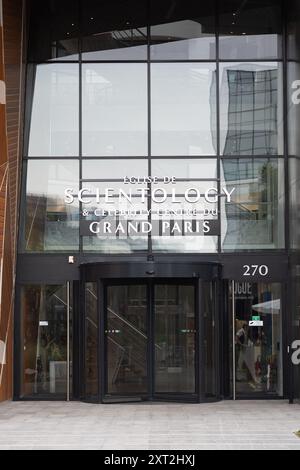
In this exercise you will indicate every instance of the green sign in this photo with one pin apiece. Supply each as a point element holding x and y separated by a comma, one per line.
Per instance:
<point>255,318</point>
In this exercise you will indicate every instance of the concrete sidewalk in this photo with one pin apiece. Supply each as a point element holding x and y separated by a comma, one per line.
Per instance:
<point>223,425</point>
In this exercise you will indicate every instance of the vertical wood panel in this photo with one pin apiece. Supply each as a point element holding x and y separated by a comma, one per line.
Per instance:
<point>10,124</point>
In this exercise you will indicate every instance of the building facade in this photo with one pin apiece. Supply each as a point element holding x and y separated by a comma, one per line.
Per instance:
<point>149,200</point>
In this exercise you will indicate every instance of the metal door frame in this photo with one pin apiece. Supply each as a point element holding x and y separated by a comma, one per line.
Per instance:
<point>151,273</point>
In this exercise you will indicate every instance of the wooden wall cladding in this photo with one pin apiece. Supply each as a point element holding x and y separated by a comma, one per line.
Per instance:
<point>10,125</point>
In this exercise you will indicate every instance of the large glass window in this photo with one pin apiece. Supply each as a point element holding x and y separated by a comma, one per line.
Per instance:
<point>293,93</point>
<point>294,187</point>
<point>54,120</point>
<point>50,223</point>
<point>251,109</point>
<point>250,29</point>
<point>114,110</point>
<point>258,349</point>
<point>254,217</point>
<point>114,30</point>
<point>44,333</point>
<point>183,113</point>
<point>182,30</point>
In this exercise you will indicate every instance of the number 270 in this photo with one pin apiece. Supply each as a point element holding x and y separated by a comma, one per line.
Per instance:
<point>252,269</point>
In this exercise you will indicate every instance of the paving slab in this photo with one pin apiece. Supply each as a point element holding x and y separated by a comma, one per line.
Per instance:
<point>265,425</point>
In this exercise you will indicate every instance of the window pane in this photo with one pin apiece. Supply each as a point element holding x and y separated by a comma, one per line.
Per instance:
<point>183,109</point>
<point>254,218</point>
<point>251,109</point>
<point>293,69</point>
<point>54,126</point>
<point>178,219</point>
<point>53,30</point>
<point>106,169</point>
<point>111,217</point>
<point>182,30</point>
<point>114,30</point>
<point>44,330</point>
<point>175,338</point>
<point>185,169</point>
<point>293,30</point>
<point>294,186</point>
<point>51,224</point>
<point>115,110</point>
<point>250,29</point>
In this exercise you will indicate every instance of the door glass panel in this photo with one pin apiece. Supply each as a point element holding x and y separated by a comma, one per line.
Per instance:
<point>44,326</point>
<point>126,339</point>
<point>91,332</point>
<point>209,324</point>
<point>258,346</point>
<point>174,341</point>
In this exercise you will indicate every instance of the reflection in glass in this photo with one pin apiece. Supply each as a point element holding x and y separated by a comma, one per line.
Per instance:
<point>53,30</point>
<point>293,77</point>
<point>209,325</point>
<point>114,30</point>
<point>251,109</point>
<point>51,224</point>
<point>112,216</point>
<point>182,30</point>
<point>44,329</point>
<point>178,220</point>
<point>250,29</point>
<point>295,303</point>
<point>183,115</point>
<point>54,124</point>
<point>118,169</point>
<point>254,218</point>
<point>185,168</point>
<point>293,30</point>
<point>114,109</point>
<point>258,349</point>
<point>175,332</point>
<point>126,339</point>
<point>91,339</point>
<point>294,188</point>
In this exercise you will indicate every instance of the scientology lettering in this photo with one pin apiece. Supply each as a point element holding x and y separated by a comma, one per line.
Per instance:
<point>150,205</point>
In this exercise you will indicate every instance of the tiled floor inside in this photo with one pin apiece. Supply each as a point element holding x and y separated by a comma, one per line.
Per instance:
<point>223,425</point>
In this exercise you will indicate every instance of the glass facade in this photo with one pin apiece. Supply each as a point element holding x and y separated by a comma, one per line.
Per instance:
<point>163,132</point>
<point>151,95</point>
